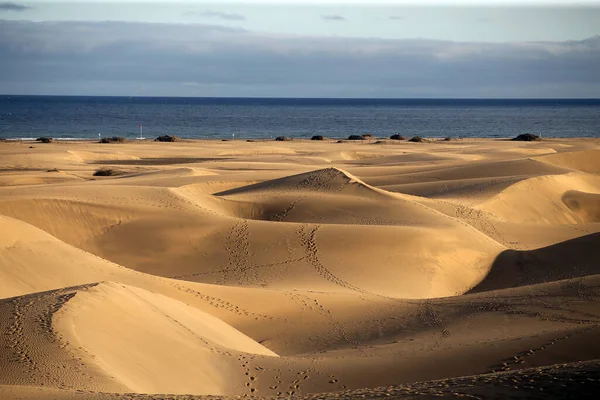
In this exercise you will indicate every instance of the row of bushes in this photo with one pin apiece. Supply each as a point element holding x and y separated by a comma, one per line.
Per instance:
<point>526,137</point>
<point>119,139</point>
<point>393,137</point>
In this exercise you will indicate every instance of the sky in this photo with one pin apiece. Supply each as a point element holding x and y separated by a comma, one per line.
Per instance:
<point>301,49</point>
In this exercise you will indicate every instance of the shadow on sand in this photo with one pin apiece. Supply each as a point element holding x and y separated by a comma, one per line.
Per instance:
<point>569,259</point>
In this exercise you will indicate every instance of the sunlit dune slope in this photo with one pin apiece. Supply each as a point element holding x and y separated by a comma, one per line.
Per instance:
<point>552,199</point>
<point>109,336</point>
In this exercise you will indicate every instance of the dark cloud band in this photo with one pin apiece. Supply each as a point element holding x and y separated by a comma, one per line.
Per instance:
<point>6,6</point>
<point>180,59</point>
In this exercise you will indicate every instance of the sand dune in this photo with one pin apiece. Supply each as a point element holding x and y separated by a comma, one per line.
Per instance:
<point>91,339</point>
<point>31,261</point>
<point>585,205</point>
<point>146,357</point>
<point>297,269</point>
<point>315,200</point>
<point>583,377</point>
<point>518,268</point>
<point>542,200</point>
<point>585,160</point>
<point>484,169</point>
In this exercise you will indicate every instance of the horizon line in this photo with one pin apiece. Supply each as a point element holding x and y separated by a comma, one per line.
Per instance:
<point>301,98</point>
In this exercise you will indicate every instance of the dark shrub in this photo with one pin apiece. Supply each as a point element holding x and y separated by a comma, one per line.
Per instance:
<point>380,142</point>
<point>2,139</point>
<point>447,139</point>
<point>355,137</point>
<point>397,136</point>
<point>283,139</point>
<point>107,172</point>
<point>167,138</point>
<point>114,139</point>
<point>44,139</point>
<point>317,137</point>
<point>53,170</point>
<point>341,141</point>
<point>527,137</point>
<point>417,139</point>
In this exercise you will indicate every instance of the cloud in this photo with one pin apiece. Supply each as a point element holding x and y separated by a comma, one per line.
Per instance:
<point>333,18</point>
<point>5,6</point>
<point>217,15</point>
<point>120,58</point>
<point>396,17</point>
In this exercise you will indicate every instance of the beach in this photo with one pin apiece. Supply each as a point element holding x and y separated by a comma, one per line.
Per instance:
<point>368,268</point>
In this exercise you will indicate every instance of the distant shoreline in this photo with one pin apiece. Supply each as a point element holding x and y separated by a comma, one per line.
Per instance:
<point>293,139</point>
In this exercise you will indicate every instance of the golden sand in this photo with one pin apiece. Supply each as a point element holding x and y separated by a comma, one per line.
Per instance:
<point>297,268</point>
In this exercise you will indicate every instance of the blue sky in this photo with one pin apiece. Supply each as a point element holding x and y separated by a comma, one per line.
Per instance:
<point>284,48</point>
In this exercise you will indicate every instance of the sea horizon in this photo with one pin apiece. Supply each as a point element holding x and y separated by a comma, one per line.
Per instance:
<point>517,99</point>
<point>89,117</point>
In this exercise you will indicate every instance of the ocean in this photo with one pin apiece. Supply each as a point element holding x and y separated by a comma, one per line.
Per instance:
<point>77,117</point>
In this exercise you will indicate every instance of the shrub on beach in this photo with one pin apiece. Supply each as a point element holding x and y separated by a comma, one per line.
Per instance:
<point>317,137</point>
<point>44,139</point>
<point>355,137</point>
<point>167,138</point>
<point>527,137</point>
<point>107,172</point>
<point>397,136</point>
<point>114,139</point>
<point>416,139</point>
<point>283,139</point>
<point>53,170</point>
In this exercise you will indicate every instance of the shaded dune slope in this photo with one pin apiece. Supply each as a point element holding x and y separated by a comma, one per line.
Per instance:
<point>570,259</point>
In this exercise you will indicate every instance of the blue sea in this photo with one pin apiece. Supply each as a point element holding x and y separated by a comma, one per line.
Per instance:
<point>75,117</point>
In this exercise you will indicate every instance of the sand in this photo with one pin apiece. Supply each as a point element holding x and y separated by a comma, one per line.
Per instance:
<point>303,268</point>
